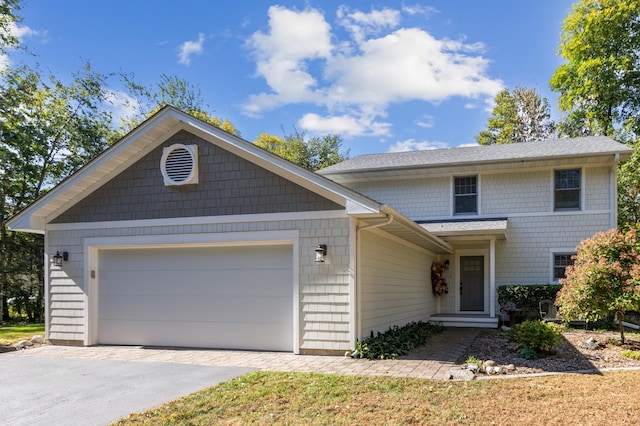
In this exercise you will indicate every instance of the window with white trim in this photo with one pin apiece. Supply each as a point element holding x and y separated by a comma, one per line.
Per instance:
<point>566,189</point>
<point>465,195</point>
<point>560,263</point>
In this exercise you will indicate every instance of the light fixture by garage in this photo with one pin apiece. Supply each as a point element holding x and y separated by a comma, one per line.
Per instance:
<point>58,258</point>
<point>321,252</point>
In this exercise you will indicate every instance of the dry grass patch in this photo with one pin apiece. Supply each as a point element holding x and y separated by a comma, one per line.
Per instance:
<point>301,398</point>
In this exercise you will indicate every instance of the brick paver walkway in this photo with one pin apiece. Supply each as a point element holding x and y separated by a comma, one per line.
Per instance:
<point>431,361</point>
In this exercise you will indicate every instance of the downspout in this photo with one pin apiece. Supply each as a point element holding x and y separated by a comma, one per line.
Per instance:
<point>359,271</point>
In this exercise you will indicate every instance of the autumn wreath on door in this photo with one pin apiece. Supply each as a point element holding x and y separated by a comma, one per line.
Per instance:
<point>438,283</point>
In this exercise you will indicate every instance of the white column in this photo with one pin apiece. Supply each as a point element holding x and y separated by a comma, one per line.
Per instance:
<point>492,277</point>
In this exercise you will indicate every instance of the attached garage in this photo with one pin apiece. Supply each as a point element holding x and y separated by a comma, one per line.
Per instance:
<point>246,251</point>
<point>238,297</point>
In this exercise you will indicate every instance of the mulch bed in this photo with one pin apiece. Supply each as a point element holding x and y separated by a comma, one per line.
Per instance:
<point>569,355</point>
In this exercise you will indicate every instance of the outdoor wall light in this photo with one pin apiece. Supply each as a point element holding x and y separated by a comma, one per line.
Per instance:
<point>58,258</point>
<point>446,264</point>
<point>321,252</point>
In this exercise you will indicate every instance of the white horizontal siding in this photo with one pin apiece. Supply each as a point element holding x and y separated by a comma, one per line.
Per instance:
<point>524,257</point>
<point>395,283</point>
<point>325,312</point>
<point>416,198</point>
<point>597,193</point>
<point>517,192</point>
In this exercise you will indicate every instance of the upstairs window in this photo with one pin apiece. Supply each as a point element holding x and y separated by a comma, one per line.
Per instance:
<point>465,195</point>
<point>567,189</point>
<point>560,263</point>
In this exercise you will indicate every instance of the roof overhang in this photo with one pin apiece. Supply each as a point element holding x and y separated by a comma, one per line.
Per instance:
<point>496,228</point>
<point>398,225</point>
<point>149,135</point>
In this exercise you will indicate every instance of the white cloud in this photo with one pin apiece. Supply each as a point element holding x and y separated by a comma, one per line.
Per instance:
<point>190,48</point>
<point>20,32</point>
<point>418,9</point>
<point>122,106</point>
<point>345,125</point>
<point>361,24</point>
<point>282,57</point>
<point>426,121</point>
<point>361,76</point>
<point>413,145</point>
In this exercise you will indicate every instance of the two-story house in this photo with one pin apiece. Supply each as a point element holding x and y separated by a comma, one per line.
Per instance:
<point>514,214</point>
<point>181,234</point>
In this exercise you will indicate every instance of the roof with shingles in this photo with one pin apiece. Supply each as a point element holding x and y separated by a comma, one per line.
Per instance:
<point>554,148</point>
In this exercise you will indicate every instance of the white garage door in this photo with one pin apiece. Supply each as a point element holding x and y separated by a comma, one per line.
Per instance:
<point>215,297</point>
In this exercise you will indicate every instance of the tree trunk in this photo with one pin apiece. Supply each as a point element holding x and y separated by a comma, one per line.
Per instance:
<point>620,316</point>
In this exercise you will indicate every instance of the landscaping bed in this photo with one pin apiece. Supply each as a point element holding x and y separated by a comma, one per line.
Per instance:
<point>571,354</point>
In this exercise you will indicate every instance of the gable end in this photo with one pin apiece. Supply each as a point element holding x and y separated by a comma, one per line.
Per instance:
<point>227,185</point>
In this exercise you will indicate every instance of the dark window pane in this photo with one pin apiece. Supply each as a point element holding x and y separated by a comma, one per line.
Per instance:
<point>560,263</point>
<point>567,189</point>
<point>466,203</point>
<point>465,194</point>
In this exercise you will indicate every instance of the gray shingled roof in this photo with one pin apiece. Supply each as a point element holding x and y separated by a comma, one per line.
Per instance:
<point>589,146</point>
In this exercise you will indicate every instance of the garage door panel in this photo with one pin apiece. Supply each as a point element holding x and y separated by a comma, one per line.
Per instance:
<point>203,282</point>
<point>198,334</point>
<point>218,297</point>
<point>192,258</point>
<point>206,309</point>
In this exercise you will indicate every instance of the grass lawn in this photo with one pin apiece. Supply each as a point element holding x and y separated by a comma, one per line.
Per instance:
<point>17,332</point>
<point>322,399</point>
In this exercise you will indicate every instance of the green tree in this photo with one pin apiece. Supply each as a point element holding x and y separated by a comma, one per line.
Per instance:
<point>313,154</point>
<point>519,116</point>
<point>48,129</point>
<point>8,16</point>
<point>599,82</point>
<point>604,279</point>
<point>629,190</point>
<point>174,91</point>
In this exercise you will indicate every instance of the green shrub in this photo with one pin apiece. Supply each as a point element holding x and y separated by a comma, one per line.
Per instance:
<point>527,296</point>
<point>395,342</point>
<point>631,354</point>
<point>535,338</point>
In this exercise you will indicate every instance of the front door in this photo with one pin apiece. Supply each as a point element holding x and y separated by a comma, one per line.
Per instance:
<point>472,283</point>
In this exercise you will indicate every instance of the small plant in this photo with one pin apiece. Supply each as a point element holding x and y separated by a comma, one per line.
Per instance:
<point>631,354</point>
<point>535,338</point>
<point>394,342</point>
<point>473,360</point>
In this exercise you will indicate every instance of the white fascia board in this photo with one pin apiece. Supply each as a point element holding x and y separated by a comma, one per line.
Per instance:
<point>75,187</point>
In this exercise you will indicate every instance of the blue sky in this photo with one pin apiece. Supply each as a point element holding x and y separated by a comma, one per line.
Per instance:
<point>386,76</point>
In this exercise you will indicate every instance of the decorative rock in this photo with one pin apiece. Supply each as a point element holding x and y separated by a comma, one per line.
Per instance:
<point>460,374</point>
<point>591,344</point>
<point>22,344</point>
<point>505,328</point>
<point>473,367</point>
<point>510,367</point>
<point>37,339</point>
<point>4,348</point>
<point>488,363</point>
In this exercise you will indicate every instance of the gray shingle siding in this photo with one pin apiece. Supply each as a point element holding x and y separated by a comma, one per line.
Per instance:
<point>229,185</point>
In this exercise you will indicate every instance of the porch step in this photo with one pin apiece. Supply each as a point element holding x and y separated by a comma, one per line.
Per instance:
<point>465,320</point>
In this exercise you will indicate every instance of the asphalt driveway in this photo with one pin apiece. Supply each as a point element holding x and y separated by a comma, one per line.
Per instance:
<point>62,391</point>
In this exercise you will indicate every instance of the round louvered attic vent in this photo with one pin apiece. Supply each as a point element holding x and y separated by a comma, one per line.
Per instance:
<point>179,164</point>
